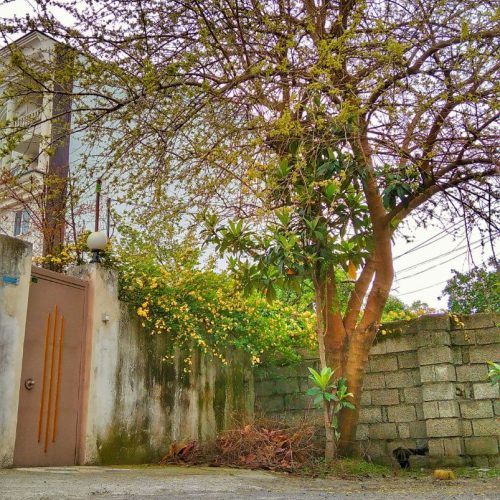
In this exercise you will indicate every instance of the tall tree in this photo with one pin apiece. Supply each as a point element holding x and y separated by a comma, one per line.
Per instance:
<point>324,124</point>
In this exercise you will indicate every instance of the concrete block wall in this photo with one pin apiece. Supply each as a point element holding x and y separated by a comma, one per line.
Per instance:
<point>425,385</point>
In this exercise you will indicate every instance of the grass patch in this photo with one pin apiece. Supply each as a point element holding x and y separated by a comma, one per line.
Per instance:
<point>478,472</point>
<point>345,468</point>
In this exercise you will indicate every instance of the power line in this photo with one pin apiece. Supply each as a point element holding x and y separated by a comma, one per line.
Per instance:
<point>439,264</point>
<point>473,245</point>
<point>424,288</point>
<point>439,236</point>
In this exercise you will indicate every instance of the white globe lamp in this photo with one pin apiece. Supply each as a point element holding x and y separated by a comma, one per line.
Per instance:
<point>97,243</point>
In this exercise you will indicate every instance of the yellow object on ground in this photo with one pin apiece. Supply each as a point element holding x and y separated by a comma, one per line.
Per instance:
<point>444,474</point>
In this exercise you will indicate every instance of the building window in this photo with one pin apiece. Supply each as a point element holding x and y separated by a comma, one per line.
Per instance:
<point>21,222</point>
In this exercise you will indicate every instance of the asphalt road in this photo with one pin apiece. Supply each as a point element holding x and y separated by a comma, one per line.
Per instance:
<point>218,483</point>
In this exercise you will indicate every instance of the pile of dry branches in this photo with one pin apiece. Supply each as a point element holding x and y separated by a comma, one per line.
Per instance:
<point>269,445</point>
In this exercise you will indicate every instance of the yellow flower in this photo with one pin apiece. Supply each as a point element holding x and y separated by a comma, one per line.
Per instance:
<point>142,313</point>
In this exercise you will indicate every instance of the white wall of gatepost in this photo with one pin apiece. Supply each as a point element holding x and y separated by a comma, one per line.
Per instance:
<point>15,277</point>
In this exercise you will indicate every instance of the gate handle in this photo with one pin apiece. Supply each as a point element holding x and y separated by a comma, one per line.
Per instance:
<point>29,383</point>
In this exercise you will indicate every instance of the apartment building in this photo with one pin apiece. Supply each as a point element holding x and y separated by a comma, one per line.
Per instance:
<point>36,149</point>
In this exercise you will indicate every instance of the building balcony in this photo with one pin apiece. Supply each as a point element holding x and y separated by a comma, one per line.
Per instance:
<point>28,119</point>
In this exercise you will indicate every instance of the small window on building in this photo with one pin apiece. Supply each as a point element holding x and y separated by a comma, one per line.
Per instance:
<point>21,222</point>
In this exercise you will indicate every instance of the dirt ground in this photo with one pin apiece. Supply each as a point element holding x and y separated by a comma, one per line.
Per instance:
<point>217,483</point>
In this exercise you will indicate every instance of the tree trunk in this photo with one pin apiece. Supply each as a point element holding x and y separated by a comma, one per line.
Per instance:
<point>357,359</point>
<point>331,336</point>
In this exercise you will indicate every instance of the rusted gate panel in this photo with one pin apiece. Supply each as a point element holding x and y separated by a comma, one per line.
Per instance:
<point>51,381</point>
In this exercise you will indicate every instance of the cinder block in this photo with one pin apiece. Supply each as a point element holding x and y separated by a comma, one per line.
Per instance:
<point>435,462</point>
<point>375,448</point>
<point>401,344</point>
<point>436,447</point>
<point>488,336</point>
<point>463,337</point>
<point>418,430</point>
<point>486,427</point>
<point>480,461</point>
<point>362,432</point>
<point>453,446</point>
<point>373,381</point>
<point>481,320</point>
<point>448,409</point>
<point>404,431</point>
<point>485,391</point>
<point>408,359</point>
<point>476,409</point>
<point>412,394</point>
<point>471,373</point>
<point>496,407</point>
<point>433,323</point>
<point>401,413</point>
<point>446,447</point>
<point>434,355</point>
<point>467,428</point>
<point>265,388</point>
<point>420,412</point>
<point>370,415</point>
<point>438,391</point>
<point>481,445</point>
<point>298,402</point>
<point>431,409</point>
<point>457,355</point>
<point>385,397</point>
<point>270,404</point>
<point>444,427</point>
<point>438,373</point>
<point>384,363</point>
<point>433,339</point>
<point>383,431</point>
<point>366,398</point>
<point>378,348</point>
<point>304,384</point>
<point>402,378</point>
<point>483,353</point>
<point>288,386</point>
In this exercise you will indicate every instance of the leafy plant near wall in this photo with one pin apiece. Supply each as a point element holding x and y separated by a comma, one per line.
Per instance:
<point>199,308</point>
<point>333,395</point>
<point>494,372</point>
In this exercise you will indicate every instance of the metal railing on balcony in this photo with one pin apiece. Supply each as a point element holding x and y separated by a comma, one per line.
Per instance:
<point>27,119</point>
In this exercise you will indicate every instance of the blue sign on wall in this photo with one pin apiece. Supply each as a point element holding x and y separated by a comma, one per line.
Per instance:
<point>10,280</point>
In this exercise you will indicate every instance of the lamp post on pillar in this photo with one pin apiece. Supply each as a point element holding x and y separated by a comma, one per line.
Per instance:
<point>97,240</point>
<point>97,243</point>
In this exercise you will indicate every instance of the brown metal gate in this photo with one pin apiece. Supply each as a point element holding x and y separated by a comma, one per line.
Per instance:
<point>51,379</point>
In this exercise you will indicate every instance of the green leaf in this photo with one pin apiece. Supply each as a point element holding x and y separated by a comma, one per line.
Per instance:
<point>313,391</point>
<point>318,400</point>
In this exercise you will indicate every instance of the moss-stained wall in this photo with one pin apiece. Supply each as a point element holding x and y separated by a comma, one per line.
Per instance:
<point>137,404</point>
<point>15,273</point>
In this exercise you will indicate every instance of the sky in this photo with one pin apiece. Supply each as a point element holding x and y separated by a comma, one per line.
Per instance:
<point>423,265</point>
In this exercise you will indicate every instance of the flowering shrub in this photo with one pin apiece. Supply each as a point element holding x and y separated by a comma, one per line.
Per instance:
<point>205,309</point>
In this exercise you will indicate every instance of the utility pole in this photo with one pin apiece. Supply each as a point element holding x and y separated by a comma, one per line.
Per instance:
<point>98,188</point>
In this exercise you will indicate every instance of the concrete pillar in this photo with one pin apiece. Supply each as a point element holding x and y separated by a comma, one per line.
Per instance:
<point>103,329</point>
<point>15,278</point>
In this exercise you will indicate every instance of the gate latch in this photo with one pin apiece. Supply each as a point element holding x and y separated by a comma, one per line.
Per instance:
<point>29,383</point>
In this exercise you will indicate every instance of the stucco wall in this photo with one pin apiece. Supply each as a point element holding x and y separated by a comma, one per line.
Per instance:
<point>138,404</point>
<point>15,273</point>
<point>425,385</point>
